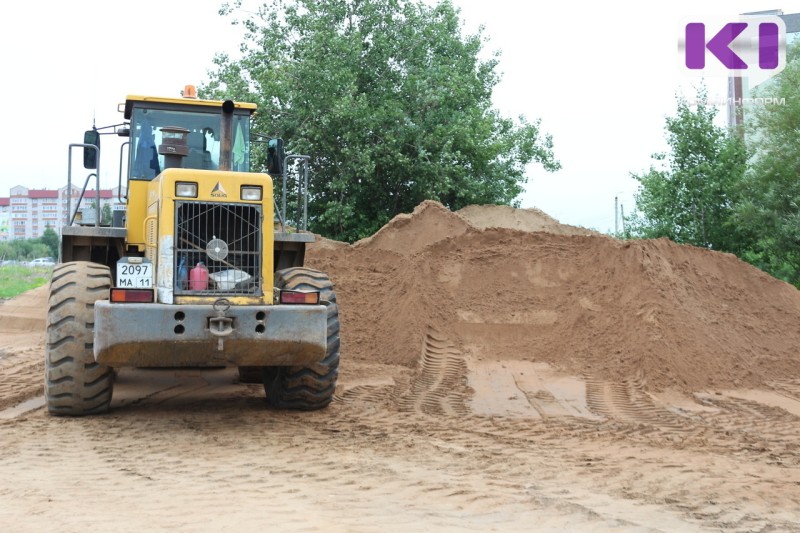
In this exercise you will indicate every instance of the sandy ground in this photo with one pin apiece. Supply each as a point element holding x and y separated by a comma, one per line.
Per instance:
<point>500,372</point>
<point>454,443</point>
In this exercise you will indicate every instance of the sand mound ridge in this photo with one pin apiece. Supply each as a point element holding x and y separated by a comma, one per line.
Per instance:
<point>668,315</point>
<point>532,219</point>
<point>408,234</point>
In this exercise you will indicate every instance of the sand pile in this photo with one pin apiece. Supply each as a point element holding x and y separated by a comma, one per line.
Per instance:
<point>675,316</point>
<point>532,219</point>
<point>408,234</point>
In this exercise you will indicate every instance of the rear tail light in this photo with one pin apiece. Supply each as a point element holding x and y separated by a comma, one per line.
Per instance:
<point>299,297</point>
<point>139,296</point>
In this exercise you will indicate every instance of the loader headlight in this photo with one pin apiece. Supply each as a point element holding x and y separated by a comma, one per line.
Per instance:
<point>185,189</point>
<point>252,193</point>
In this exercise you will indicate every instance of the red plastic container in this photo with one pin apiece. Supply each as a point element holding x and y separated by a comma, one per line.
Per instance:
<point>198,278</point>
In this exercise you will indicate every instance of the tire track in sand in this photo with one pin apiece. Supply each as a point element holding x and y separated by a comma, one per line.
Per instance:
<point>630,404</point>
<point>439,387</point>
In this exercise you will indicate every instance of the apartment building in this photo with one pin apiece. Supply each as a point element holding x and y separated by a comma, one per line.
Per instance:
<point>26,213</point>
<point>5,217</point>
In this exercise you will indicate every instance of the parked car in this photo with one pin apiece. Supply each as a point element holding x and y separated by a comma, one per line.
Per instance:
<point>42,262</point>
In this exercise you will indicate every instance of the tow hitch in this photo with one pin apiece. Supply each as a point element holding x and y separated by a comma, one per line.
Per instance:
<point>220,325</point>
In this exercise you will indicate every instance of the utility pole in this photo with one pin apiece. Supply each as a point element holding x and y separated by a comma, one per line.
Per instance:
<point>616,214</point>
<point>622,216</point>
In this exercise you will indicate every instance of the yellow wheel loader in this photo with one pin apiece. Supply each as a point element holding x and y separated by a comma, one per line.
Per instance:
<point>194,271</point>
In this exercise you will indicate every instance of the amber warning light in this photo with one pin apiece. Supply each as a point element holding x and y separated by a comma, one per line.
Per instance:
<point>299,297</point>
<point>140,296</point>
<point>190,91</point>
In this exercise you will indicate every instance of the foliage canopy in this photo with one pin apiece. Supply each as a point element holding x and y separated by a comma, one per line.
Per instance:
<point>770,206</point>
<point>735,191</point>
<point>27,249</point>
<point>391,101</point>
<point>690,197</point>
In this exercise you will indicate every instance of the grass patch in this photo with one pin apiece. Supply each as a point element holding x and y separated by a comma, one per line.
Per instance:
<point>16,279</point>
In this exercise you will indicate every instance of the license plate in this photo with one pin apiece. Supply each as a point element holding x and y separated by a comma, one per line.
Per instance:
<point>137,275</point>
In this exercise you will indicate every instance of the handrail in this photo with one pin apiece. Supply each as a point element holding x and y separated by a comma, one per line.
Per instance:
<point>305,196</point>
<point>278,212</point>
<point>97,203</point>
<point>119,181</point>
<point>305,160</point>
<point>69,183</point>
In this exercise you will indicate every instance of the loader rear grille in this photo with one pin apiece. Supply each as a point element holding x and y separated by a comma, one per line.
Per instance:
<point>226,238</point>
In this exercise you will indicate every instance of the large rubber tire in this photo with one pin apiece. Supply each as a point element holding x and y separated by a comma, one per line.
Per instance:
<point>307,387</point>
<point>75,384</point>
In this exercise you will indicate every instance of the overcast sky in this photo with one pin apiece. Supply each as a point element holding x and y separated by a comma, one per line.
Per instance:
<point>601,76</point>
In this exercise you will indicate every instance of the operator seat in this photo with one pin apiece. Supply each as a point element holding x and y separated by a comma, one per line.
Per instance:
<point>197,153</point>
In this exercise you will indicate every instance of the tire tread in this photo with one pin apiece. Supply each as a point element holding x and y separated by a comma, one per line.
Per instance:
<point>310,387</point>
<point>75,384</point>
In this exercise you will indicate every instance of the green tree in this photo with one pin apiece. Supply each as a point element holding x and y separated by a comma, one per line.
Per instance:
<point>7,252</point>
<point>391,101</point>
<point>22,248</point>
<point>770,206</point>
<point>690,198</point>
<point>27,249</point>
<point>39,249</point>
<point>50,239</point>
<point>106,215</point>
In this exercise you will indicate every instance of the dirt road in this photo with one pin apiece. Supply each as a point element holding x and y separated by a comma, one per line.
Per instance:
<point>500,371</point>
<point>452,443</point>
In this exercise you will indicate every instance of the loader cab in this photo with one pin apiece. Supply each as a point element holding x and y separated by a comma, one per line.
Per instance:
<point>151,120</point>
<point>208,136</point>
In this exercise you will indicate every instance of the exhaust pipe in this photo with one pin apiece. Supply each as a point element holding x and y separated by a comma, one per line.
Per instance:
<point>226,136</point>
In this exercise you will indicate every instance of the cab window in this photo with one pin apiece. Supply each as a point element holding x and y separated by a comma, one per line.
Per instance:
<point>203,140</point>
